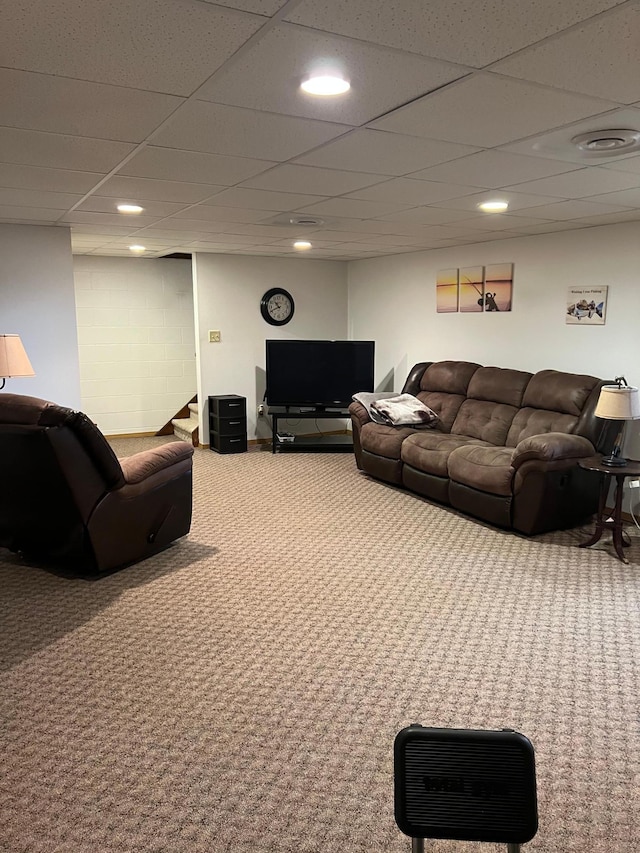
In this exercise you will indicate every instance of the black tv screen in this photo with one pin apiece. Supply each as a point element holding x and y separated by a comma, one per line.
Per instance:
<point>318,373</point>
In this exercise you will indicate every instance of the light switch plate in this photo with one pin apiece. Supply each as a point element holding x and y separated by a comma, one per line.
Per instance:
<point>214,337</point>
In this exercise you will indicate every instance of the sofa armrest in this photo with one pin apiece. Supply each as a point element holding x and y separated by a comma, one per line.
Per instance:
<point>142,465</point>
<point>551,447</point>
<point>359,413</point>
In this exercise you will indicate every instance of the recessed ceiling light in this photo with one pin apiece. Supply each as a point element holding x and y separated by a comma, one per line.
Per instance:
<point>130,208</point>
<point>137,248</point>
<point>325,85</point>
<point>302,245</point>
<point>493,206</point>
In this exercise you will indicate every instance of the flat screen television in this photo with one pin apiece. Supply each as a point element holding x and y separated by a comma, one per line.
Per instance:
<point>318,374</point>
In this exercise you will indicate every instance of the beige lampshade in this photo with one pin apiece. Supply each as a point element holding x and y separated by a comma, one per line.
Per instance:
<point>14,361</point>
<point>618,403</point>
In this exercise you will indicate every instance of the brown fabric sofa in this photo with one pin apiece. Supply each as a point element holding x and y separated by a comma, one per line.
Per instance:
<point>67,500</point>
<point>505,448</point>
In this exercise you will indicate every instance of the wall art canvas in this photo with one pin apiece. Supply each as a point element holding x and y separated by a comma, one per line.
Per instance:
<point>498,287</point>
<point>471,289</point>
<point>587,306</point>
<point>447,291</point>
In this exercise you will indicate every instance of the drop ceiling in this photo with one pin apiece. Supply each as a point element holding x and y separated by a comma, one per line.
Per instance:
<point>192,109</point>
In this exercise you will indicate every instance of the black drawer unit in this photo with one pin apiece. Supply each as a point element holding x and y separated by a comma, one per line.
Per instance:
<point>228,423</point>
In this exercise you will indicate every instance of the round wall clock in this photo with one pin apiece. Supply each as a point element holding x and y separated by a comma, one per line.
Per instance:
<point>277,306</point>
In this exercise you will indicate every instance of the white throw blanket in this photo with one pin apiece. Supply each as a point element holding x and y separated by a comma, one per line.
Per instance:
<point>397,409</point>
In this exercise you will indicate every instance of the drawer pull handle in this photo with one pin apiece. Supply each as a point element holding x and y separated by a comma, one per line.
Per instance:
<point>231,440</point>
<point>234,423</point>
<point>231,405</point>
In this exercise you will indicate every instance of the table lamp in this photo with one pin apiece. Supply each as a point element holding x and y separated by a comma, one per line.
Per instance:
<point>619,402</point>
<point>14,361</point>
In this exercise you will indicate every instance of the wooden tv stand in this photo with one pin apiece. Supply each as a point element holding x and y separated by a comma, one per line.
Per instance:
<point>316,443</point>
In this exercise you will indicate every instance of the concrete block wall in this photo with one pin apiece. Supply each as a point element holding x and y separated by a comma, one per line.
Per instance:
<point>136,340</point>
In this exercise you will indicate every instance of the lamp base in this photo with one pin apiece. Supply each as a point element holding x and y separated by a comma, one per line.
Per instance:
<point>614,461</point>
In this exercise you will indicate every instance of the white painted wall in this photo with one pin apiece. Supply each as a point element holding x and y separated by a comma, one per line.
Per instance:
<point>393,301</point>
<point>228,290</point>
<point>136,340</point>
<point>37,302</point>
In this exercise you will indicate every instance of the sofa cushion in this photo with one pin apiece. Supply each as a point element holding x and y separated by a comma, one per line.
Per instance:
<point>429,451</point>
<point>499,385</point>
<point>486,468</point>
<point>443,388</point>
<point>559,392</point>
<point>384,440</point>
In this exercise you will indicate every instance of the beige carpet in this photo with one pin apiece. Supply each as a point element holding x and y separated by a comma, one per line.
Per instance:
<point>241,691</point>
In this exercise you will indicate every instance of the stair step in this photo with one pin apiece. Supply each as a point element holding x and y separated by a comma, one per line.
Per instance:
<point>193,407</point>
<point>186,429</point>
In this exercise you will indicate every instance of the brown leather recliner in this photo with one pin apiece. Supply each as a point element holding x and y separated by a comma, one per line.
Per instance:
<point>65,498</point>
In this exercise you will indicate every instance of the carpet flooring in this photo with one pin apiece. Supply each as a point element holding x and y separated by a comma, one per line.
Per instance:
<point>241,691</point>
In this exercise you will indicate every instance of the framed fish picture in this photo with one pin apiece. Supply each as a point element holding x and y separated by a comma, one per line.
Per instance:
<point>587,306</point>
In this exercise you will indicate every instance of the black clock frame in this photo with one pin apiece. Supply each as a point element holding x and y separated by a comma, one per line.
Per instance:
<point>264,306</point>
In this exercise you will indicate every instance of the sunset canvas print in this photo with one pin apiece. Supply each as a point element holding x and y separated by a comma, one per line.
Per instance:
<point>447,291</point>
<point>471,289</point>
<point>498,287</point>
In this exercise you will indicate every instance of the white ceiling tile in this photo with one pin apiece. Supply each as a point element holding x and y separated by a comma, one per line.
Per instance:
<point>50,180</point>
<point>581,183</point>
<point>17,213</point>
<point>487,110</point>
<point>183,230</point>
<point>220,129</point>
<point>517,201</point>
<point>203,246</point>
<point>556,144</point>
<point>627,198</point>
<point>193,166</point>
<point>580,60</point>
<point>62,105</point>
<point>37,198</point>
<point>575,209</point>
<point>630,165</point>
<point>492,169</point>
<point>29,147</point>
<point>263,199</point>
<point>349,207</point>
<point>102,204</point>
<point>544,227</point>
<point>457,30</point>
<point>497,222</point>
<point>409,192</point>
<point>83,217</point>
<point>421,216</point>
<point>147,189</point>
<point>367,150</point>
<point>258,7</point>
<point>268,76</point>
<point>101,230</point>
<point>275,231</point>
<point>311,179</point>
<point>213,213</point>
<point>164,46</point>
<point>610,218</point>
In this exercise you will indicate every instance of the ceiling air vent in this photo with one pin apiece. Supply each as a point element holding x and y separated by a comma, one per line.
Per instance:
<point>305,220</point>
<point>607,143</point>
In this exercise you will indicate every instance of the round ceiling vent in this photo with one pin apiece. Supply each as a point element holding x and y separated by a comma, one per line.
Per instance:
<point>306,220</point>
<point>608,143</point>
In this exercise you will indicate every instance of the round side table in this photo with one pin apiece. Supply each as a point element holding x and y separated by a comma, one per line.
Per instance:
<point>631,469</point>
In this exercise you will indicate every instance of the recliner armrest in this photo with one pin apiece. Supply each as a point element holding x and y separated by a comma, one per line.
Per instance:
<point>142,465</point>
<point>552,447</point>
<point>359,413</point>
